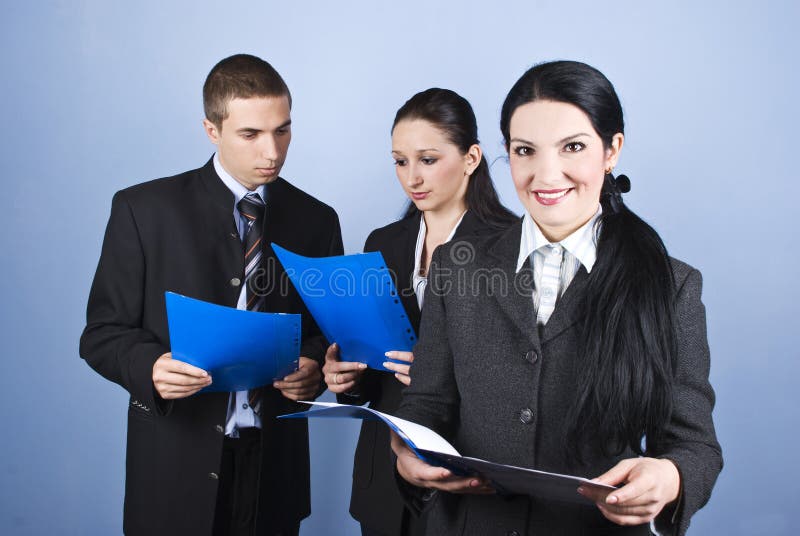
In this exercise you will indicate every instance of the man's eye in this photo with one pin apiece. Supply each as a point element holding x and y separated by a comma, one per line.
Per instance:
<point>282,131</point>
<point>574,147</point>
<point>248,135</point>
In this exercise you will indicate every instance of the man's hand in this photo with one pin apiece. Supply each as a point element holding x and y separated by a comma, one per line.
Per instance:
<point>176,379</point>
<point>303,383</point>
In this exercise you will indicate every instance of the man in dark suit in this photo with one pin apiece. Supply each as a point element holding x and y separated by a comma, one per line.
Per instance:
<point>211,463</point>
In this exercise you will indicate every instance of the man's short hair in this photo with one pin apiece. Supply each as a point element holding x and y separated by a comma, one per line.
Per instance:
<point>241,76</point>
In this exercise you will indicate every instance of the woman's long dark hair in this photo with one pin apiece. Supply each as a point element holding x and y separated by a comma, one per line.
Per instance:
<point>452,114</point>
<point>628,340</point>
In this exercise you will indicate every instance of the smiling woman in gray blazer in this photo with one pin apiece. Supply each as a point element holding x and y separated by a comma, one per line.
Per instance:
<point>572,343</point>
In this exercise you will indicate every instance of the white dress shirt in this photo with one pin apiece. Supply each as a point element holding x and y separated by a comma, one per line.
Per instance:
<point>240,414</point>
<point>421,281</point>
<point>579,248</point>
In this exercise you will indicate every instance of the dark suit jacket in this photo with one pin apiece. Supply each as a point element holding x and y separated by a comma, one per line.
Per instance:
<point>179,234</point>
<point>375,500</point>
<point>484,378</point>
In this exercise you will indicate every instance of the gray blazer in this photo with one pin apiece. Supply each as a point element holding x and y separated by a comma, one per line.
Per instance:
<point>486,379</point>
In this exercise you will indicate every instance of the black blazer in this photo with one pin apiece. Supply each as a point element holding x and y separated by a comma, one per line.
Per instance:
<point>375,500</point>
<point>488,380</point>
<point>179,234</point>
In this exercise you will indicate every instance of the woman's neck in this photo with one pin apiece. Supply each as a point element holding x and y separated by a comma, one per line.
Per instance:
<point>441,222</point>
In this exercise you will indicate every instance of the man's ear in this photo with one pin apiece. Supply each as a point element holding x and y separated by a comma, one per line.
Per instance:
<point>212,131</point>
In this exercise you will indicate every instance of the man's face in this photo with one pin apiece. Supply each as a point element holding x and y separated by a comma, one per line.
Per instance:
<point>253,140</point>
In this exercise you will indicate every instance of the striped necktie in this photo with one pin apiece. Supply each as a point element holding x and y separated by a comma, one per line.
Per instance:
<point>550,282</point>
<point>252,210</point>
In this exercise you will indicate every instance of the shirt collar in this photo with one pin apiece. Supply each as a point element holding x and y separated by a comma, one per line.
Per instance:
<point>236,188</point>
<point>423,231</point>
<point>582,243</point>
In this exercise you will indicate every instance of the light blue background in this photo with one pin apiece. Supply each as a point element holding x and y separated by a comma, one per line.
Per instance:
<point>98,95</point>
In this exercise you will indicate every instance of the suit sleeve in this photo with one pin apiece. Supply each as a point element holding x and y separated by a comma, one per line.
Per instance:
<point>690,441</point>
<point>432,399</point>
<point>114,343</point>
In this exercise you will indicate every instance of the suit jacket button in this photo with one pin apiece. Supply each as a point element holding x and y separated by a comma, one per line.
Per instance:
<point>213,476</point>
<point>532,356</point>
<point>219,428</point>
<point>512,533</point>
<point>526,416</point>
<point>235,282</point>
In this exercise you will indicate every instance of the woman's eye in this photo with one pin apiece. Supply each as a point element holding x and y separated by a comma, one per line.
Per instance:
<point>522,150</point>
<point>428,161</point>
<point>574,147</point>
<point>399,162</point>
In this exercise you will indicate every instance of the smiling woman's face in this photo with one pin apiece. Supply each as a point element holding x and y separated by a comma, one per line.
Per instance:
<point>558,164</point>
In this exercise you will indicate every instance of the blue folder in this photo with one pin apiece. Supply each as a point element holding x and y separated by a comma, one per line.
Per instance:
<point>354,302</point>
<point>433,449</point>
<point>240,349</point>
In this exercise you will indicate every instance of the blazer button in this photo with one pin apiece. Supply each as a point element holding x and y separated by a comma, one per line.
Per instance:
<point>213,476</point>
<point>526,416</point>
<point>219,428</point>
<point>235,282</point>
<point>512,533</point>
<point>531,356</point>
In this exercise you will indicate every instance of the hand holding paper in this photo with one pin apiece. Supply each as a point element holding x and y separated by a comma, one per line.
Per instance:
<point>420,474</point>
<point>341,376</point>
<point>455,472</point>
<point>176,379</point>
<point>303,383</point>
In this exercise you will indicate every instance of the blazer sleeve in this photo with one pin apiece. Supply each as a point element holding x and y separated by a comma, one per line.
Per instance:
<point>114,343</point>
<point>432,399</point>
<point>690,441</point>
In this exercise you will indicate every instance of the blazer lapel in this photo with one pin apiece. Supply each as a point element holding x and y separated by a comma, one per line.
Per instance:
<point>404,261</point>
<point>516,298</point>
<point>569,308</point>
<point>217,217</point>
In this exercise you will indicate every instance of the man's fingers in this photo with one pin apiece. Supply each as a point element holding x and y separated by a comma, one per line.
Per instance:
<point>174,378</point>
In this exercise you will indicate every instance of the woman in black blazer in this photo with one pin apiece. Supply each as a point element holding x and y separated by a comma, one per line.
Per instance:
<point>585,353</point>
<point>440,166</point>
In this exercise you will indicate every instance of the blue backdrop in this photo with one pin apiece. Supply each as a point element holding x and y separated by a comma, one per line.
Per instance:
<point>98,95</point>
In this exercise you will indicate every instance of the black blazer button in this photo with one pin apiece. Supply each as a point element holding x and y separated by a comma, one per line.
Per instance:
<point>532,356</point>
<point>219,428</point>
<point>512,533</point>
<point>526,416</point>
<point>235,282</point>
<point>213,476</point>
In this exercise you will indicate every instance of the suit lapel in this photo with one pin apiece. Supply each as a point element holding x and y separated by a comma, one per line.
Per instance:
<point>404,261</point>
<point>569,308</point>
<point>226,247</point>
<point>516,299</point>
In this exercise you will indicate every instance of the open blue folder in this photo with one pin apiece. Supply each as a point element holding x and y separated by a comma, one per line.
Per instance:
<point>435,450</point>
<point>354,301</point>
<point>240,349</point>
